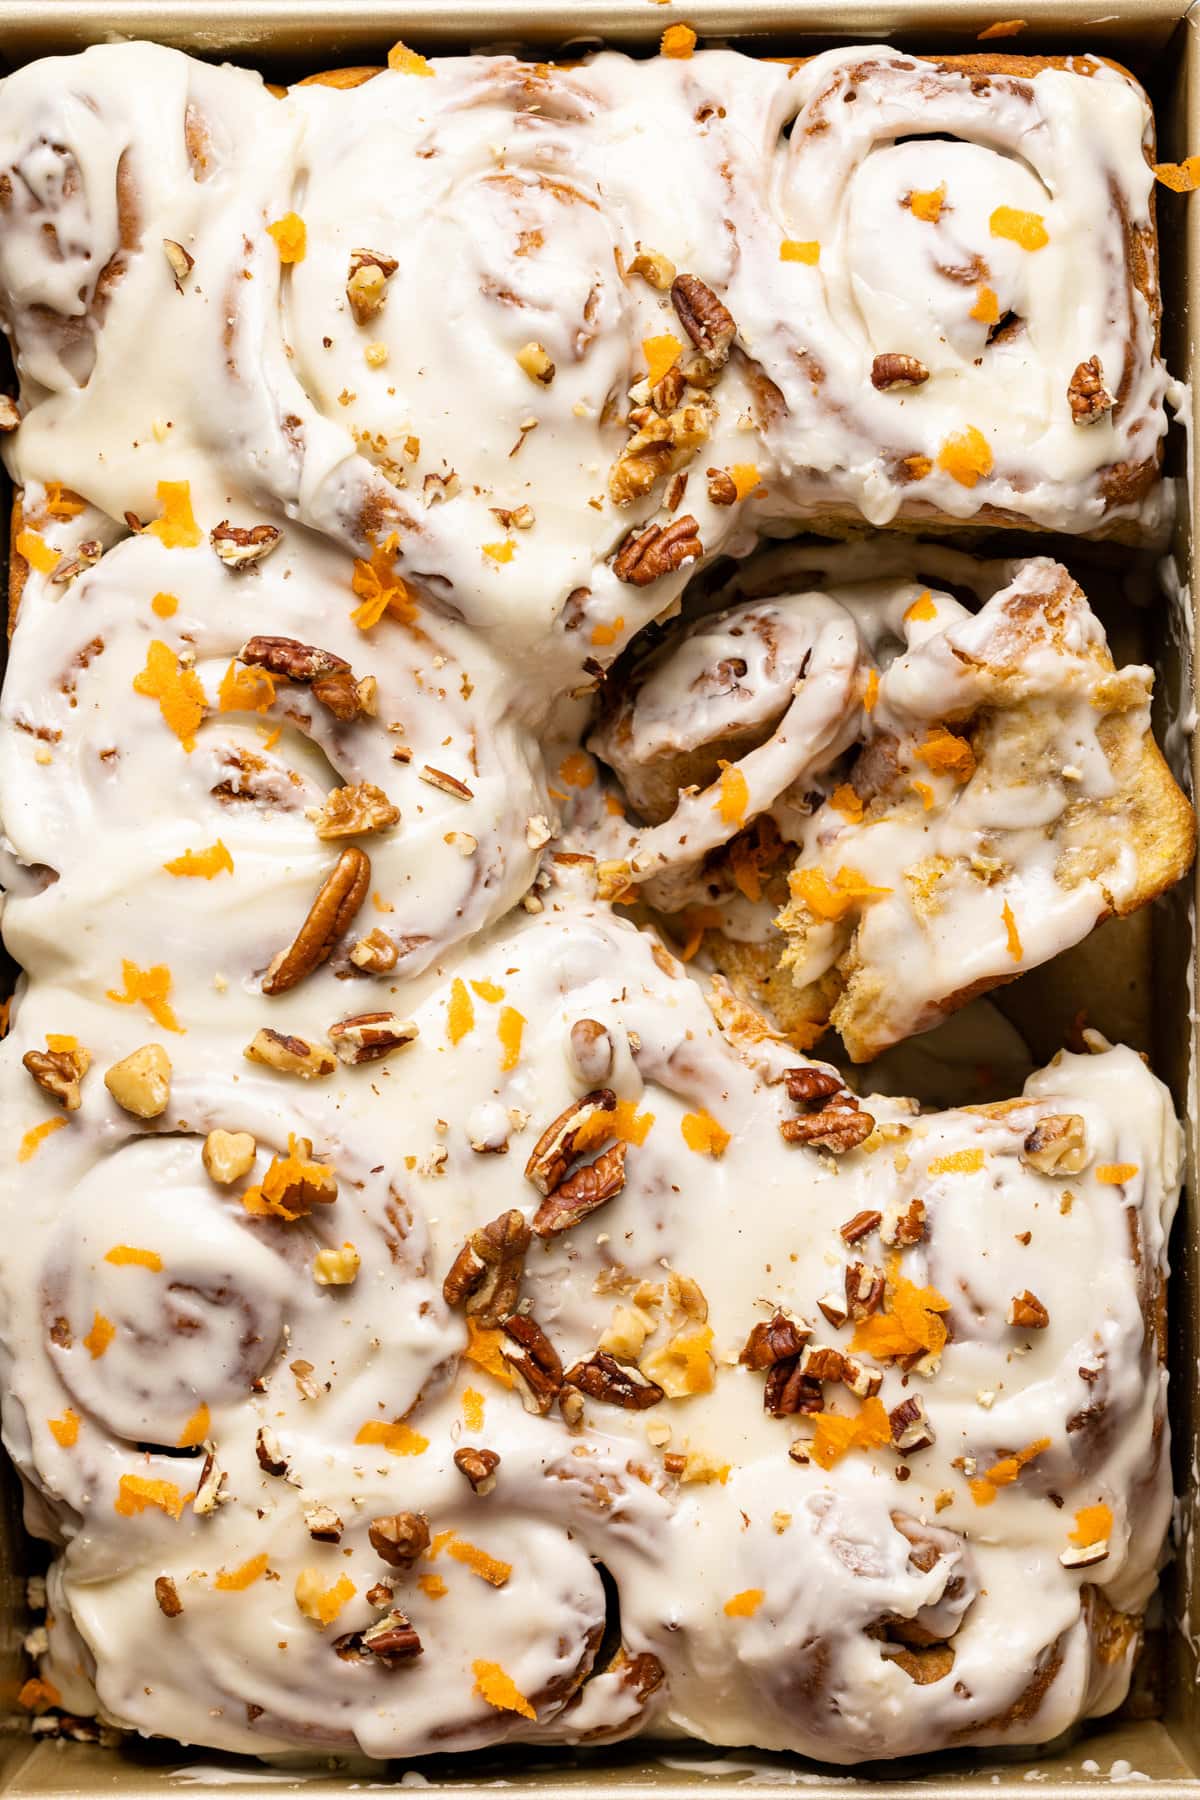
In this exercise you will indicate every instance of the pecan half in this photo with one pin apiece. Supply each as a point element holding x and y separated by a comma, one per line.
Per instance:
<point>774,1340</point>
<point>658,550</point>
<point>479,1466</point>
<point>1057,1145</point>
<point>581,1193</point>
<point>602,1377</point>
<point>485,1276</point>
<point>893,370</point>
<point>534,1363</point>
<point>1026,1311</point>
<point>1087,396</point>
<point>338,900</point>
<point>811,1083</point>
<point>554,1151</point>
<point>59,1073</point>
<point>367,1037</point>
<point>329,677</point>
<point>399,1539</point>
<point>707,320</point>
<point>238,546</point>
<point>839,1125</point>
<point>722,488</point>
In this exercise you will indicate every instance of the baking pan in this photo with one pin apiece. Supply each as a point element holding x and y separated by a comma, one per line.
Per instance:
<point>1142,986</point>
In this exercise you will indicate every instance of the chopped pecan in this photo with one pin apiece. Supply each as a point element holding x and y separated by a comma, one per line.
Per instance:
<point>1087,396</point>
<point>722,488</point>
<point>707,320</point>
<point>289,1055</point>
<point>789,1390</point>
<point>238,546</point>
<point>658,550</point>
<point>10,418</point>
<point>893,370</point>
<point>181,262</point>
<point>862,1381</point>
<point>906,1228</point>
<point>865,1287</point>
<point>1026,1312</point>
<point>534,1363</point>
<point>377,953</point>
<point>659,446</point>
<point>210,1489</point>
<point>269,1451</point>
<point>643,1674</point>
<point>774,1340</point>
<point>366,283</point>
<point>167,1595</point>
<point>86,556</point>
<point>399,1539</point>
<point>1084,1556</point>
<point>391,1641</point>
<point>449,784</point>
<point>1057,1145</point>
<point>338,900</point>
<point>554,1151</point>
<point>479,1466</point>
<point>582,1192</point>
<point>834,1308</point>
<point>602,1377</point>
<point>860,1226</point>
<point>822,1362</point>
<point>367,1037</point>
<point>59,1073</point>
<point>323,1523</point>
<point>485,1276</point>
<point>591,1050</point>
<point>911,1430</point>
<point>353,811</point>
<point>328,676</point>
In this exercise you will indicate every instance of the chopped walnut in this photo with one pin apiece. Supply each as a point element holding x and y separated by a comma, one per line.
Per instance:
<point>1087,395</point>
<point>366,283</point>
<point>141,1082</point>
<point>336,1268</point>
<point>59,1073</point>
<point>479,1466</point>
<point>1057,1145</point>
<point>399,1539</point>
<point>228,1155</point>
<point>535,361</point>
<point>350,811</point>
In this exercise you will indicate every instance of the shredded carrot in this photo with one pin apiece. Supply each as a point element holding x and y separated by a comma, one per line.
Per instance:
<point>986,308</point>
<point>197,1429</point>
<point>925,791</point>
<point>577,770</point>
<point>285,1178</point>
<point>36,1136</point>
<point>985,1487</point>
<point>136,1492</point>
<point>500,553</point>
<point>1115,1174</point>
<point>871,691</point>
<point>65,1431</point>
<point>745,478</point>
<point>150,988</point>
<point>433,1586</point>
<point>291,237</point>
<point>1015,947</point>
<point>61,503</point>
<point>178,692</point>
<point>965,456</point>
<point>957,1162</point>
<point>488,1568</point>
<point>608,634</point>
<point>472,1409</point>
<point>397,1438</point>
<point>943,750</point>
<point>245,690</point>
<point>509,1029</point>
<point>661,354</point>
<point>927,204</point>
<point>496,1686</point>
<point>126,1256</point>
<point>832,900</point>
<point>703,1134</point>
<point>460,1014</point>
<point>1003,28</point>
<point>1181,177</point>
<point>177,528</point>
<point>1093,1524</point>
<point>800,250</point>
<point>403,61</point>
<point>483,1349</point>
<point>745,1604</point>
<point>733,796</point>
<point>921,610</point>
<point>165,606</point>
<point>100,1336</point>
<point>1028,229</point>
<point>837,1433</point>
<point>235,1581</point>
<point>37,552</point>
<point>214,860</point>
<point>380,589</point>
<point>678,41</point>
<point>909,1323</point>
<point>845,801</point>
<point>38,1693</point>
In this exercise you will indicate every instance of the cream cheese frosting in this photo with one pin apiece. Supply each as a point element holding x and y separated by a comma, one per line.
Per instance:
<point>433,1317</point>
